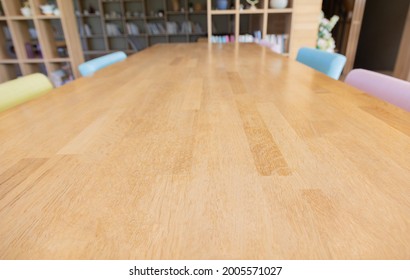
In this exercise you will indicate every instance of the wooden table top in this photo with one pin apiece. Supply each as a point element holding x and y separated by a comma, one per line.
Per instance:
<point>205,152</point>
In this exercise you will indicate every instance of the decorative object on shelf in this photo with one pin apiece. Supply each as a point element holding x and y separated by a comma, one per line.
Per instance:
<point>61,76</point>
<point>278,4</point>
<point>91,10</point>
<point>47,9</point>
<point>190,7</point>
<point>175,5</point>
<point>26,10</point>
<point>56,12</point>
<point>253,4</point>
<point>198,6</point>
<point>325,40</point>
<point>222,4</point>
<point>160,13</point>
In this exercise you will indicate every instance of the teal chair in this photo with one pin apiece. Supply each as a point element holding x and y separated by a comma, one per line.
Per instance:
<point>18,91</point>
<point>331,64</point>
<point>90,67</point>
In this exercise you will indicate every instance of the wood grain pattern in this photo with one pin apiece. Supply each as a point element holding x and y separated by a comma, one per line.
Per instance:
<point>202,151</point>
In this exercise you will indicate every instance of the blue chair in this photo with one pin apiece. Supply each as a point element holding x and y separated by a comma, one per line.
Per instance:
<point>90,67</point>
<point>330,64</point>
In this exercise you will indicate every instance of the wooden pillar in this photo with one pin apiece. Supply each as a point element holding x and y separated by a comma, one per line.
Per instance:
<point>402,68</point>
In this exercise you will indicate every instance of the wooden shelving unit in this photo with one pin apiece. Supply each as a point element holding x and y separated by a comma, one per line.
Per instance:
<point>299,21</point>
<point>38,43</point>
<point>96,14</point>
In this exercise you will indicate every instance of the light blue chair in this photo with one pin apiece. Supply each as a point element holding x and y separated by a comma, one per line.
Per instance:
<point>90,67</point>
<point>331,64</point>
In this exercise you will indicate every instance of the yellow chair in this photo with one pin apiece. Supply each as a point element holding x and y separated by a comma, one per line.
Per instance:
<point>18,91</point>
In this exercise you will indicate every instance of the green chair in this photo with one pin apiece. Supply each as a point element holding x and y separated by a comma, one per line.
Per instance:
<point>18,91</point>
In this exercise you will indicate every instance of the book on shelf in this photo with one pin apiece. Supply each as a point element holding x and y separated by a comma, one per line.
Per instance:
<point>6,32</point>
<point>223,39</point>
<point>29,50</point>
<point>277,42</point>
<point>132,29</point>
<point>113,29</point>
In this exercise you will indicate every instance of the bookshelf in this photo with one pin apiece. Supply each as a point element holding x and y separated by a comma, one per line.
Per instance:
<point>297,24</point>
<point>132,25</point>
<point>36,42</point>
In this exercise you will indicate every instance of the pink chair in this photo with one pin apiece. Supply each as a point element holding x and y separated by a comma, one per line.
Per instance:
<point>392,90</point>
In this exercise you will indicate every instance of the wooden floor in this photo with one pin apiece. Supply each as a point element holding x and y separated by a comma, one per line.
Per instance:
<point>205,152</point>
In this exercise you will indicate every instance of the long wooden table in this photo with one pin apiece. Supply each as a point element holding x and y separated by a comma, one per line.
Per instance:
<point>205,152</point>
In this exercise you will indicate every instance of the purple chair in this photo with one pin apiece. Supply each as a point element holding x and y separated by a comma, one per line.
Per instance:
<point>392,90</point>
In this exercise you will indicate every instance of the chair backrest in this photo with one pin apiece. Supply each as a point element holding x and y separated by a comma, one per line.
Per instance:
<point>90,67</point>
<point>390,89</point>
<point>15,92</point>
<point>330,64</point>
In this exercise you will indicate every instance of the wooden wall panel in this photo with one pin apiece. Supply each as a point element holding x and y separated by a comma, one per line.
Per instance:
<point>305,24</point>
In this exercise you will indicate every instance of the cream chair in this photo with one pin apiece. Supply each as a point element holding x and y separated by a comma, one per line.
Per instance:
<point>18,91</point>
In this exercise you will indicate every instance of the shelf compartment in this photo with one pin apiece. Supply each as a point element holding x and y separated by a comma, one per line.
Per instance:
<point>112,10</point>
<point>51,31</point>
<point>92,25</point>
<point>117,43</point>
<point>153,7</point>
<point>280,26</point>
<point>87,8</point>
<point>134,9</point>
<point>223,24</point>
<point>199,19</point>
<point>7,50</point>
<point>137,43</point>
<point>131,29</point>
<point>31,68</point>
<point>12,8</point>
<point>250,24</point>
<point>25,38</point>
<point>97,44</point>
<point>9,72</point>
<point>279,23</point>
